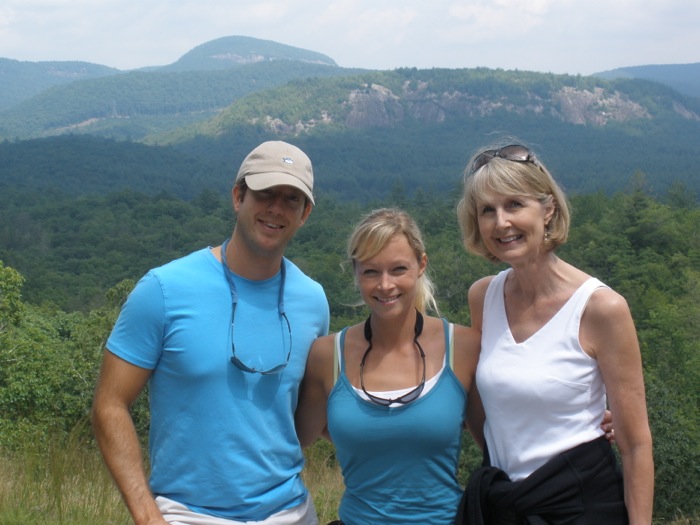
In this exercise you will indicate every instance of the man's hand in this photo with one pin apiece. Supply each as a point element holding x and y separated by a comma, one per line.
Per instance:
<point>607,426</point>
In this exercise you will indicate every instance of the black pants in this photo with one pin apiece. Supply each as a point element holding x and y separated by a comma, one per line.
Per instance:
<point>578,487</point>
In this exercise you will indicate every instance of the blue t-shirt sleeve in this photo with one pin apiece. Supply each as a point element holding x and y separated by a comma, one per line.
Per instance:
<point>137,336</point>
<point>328,315</point>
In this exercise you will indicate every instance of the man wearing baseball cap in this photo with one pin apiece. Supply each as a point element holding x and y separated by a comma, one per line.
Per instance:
<point>221,337</point>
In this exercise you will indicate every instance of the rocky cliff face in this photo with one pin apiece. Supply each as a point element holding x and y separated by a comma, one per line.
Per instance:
<point>377,106</point>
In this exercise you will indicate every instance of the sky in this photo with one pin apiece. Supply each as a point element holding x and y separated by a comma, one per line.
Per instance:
<point>554,36</point>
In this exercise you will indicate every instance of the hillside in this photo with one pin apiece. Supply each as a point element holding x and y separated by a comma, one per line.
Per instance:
<point>400,132</point>
<point>389,99</point>
<point>136,104</point>
<point>370,133</point>
<point>684,78</point>
<point>23,80</point>
<point>232,51</point>
<point>414,129</point>
<point>53,98</point>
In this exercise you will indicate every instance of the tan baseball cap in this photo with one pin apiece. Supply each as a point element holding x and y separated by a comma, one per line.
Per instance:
<point>276,163</point>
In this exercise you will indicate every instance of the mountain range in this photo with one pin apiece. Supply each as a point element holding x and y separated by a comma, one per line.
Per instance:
<point>369,132</point>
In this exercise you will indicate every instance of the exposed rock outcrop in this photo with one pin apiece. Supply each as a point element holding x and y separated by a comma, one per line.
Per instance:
<point>377,106</point>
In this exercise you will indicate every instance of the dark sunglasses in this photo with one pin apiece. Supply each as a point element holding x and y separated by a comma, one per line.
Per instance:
<point>408,396</point>
<point>284,321</point>
<point>275,369</point>
<point>404,399</point>
<point>513,152</point>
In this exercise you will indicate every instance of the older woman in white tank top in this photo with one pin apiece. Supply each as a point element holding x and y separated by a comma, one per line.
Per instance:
<point>556,345</point>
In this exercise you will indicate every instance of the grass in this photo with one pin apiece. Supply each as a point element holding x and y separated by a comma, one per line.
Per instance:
<point>323,478</point>
<point>67,484</point>
<point>58,486</point>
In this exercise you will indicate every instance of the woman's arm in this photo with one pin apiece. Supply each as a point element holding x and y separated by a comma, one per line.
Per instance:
<point>608,333</point>
<point>467,345</point>
<point>475,297</point>
<point>476,416</point>
<point>311,417</point>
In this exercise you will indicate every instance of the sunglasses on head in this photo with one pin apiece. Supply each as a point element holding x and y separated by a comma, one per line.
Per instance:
<point>513,152</point>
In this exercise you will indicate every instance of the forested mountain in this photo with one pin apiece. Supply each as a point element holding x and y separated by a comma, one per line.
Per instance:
<point>23,80</point>
<point>232,51</point>
<point>376,132</point>
<point>52,98</point>
<point>136,104</point>
<point>368,132</point>
<point>416,128</point>
<point>684,78</point>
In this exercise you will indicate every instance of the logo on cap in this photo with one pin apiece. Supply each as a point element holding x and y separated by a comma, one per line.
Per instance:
<point>287,160</point>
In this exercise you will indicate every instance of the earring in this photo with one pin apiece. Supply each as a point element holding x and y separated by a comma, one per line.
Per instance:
<point>547,233</point>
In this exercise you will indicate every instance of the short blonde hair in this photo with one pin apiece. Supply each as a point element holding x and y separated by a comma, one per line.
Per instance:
<point>507,177</point>
<point>375,230</point>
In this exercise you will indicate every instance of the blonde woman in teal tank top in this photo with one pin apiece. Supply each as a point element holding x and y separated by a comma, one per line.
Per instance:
<point>392,394</point>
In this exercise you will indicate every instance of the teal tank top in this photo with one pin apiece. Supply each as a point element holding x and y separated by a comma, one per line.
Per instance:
<point>399,464</point>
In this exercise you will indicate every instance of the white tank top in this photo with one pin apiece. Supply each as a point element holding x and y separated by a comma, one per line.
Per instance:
<point>542,396</point>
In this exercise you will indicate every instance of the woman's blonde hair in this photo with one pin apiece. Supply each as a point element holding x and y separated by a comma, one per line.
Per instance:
<point>523,178</point>
<point>375,230</point>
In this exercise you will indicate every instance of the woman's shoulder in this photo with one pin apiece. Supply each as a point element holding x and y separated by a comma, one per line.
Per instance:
<point>478,288</point>
<point>607,323</point>
<point>606,304</point>
<point>476,298</point>
<point>326,343</point>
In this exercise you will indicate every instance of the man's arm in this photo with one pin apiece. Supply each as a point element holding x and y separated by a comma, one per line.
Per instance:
<point>311,417</point>
<point>118,386</point>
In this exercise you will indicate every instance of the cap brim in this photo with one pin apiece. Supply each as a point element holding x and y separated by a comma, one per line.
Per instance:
<point>263,181</point>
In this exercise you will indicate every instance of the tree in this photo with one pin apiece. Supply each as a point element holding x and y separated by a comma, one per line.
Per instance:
<point>11,307</point>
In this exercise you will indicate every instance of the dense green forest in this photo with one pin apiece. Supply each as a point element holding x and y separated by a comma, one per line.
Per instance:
<point>360,164</point>
<point>69,262</point>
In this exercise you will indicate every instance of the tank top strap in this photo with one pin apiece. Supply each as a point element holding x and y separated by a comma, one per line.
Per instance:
<point>590,286</point>
<point>449,329</point>
<point>579,300</point>
<point>340,344</point>
<point>338,354</point>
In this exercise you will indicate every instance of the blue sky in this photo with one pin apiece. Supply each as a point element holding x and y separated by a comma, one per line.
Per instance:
<point>557,36</point>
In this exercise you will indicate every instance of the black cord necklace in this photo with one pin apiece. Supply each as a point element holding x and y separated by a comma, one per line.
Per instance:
<point>409,396</point>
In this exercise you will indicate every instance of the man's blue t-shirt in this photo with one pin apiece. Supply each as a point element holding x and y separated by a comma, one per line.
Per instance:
<point>222,441</point>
